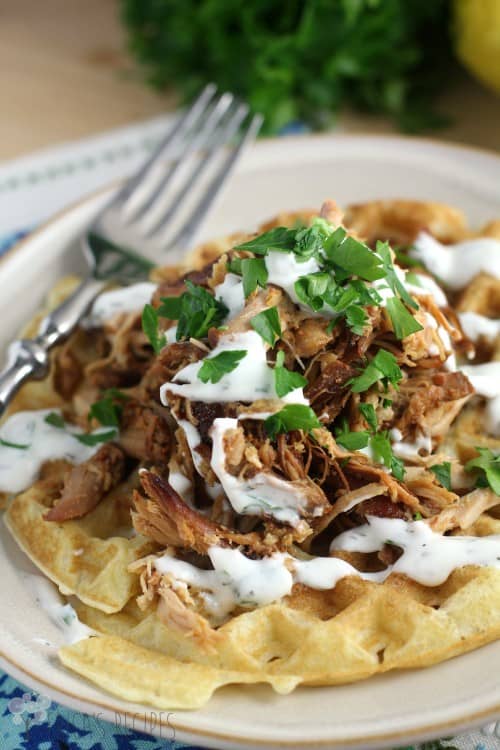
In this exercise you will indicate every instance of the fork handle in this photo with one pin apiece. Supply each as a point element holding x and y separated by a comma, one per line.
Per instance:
<point>29,358</point>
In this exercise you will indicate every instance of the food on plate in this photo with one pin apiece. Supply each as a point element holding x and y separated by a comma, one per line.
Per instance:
<point>279,463</point>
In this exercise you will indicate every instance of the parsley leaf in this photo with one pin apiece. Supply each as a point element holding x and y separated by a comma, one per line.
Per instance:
<point>8,444</point>
<point>213,368</point>
<point>488,466</point>
<point>352,441</point>
<point>368,412</point>
<point>267,324</point>
<point>442,473</point>
<point>383,367</point>
<point>403,321</point>
<point>150,328</point>
<point>55,419</point>
<point>291,417</point>
<point>356,319</point>
<point>382,450</point>
<point>355,258</point>
<point>196,310</point>
<point>309,241</point>
<point>279,238</point>
<point>96,438</point>
<point>311,289</point>
<point>106,411</point>
<point>254,273</point>
<point>286,380</point>
<point>383,250</point>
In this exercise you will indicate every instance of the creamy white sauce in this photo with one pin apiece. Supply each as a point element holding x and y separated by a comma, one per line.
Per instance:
<point>427,286</point>
<point>236,580</point>
<point>262,494</point>
<point>456,265</point>
<point>485,380</point>
<point>126,299</point>
<point>427,557</point>
<point>284,270</point>
<point>407,450</point>
<point>59,612</point>
<point>251,380</point>
<point>19,468</point>
<point>230,292</point>
<point>476,326</point>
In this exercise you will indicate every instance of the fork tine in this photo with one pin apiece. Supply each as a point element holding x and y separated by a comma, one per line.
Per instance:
<point>221,137</point>
<point>183,125</point>
<point>199,211</point>
<point>201,137</point>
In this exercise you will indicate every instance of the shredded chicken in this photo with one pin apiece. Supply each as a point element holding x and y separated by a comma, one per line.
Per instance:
<point>464,511</point>
<point>86,484</point>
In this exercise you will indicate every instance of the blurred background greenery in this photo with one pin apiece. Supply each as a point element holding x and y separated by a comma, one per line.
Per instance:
<point>305,60</point>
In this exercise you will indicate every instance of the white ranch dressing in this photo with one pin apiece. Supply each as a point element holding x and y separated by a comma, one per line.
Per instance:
<point>262,494</point>
<point>126,299</point>
<point>407,450</point>
<point>62,614</point>
<point>456,265</point>
<point>428,557</point>
<point>230,292</point>
<point>485,380</point>
<point>427,286</point>
<point>251,380</point>
<point>284,270</point>
<point>476,326</point>
<point>19,467</point>
<point>236,580</point>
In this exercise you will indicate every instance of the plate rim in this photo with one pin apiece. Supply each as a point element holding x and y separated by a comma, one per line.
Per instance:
<point>71,699</point>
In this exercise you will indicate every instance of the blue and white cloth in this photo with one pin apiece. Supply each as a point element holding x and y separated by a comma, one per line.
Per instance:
<point>32,189</point>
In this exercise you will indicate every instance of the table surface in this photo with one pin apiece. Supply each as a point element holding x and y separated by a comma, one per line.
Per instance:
<point>66,75</point>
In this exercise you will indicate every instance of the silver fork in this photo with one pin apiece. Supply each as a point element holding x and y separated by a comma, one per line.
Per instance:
<point>159,210</point>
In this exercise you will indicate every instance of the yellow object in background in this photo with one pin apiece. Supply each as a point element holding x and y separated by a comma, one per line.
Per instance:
<point>477,38</point>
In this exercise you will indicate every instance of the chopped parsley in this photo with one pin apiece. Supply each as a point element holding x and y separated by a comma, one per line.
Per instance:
<point>383,367</point>
<point>267,324</point>
<point>352,441</point>
<point>403,322</point>
<point>8,444</point>
<point>55,419</point>
<point>150,321</point>
<point>281,239</point>
<point>291,417</point>
<point>106,410</point>
<point>442,472</point>
<point>379,442</point>
<point>487,464</point>
<point>368,412</point>
<point>196,310</point>
<point>213,368</point>
<point>285,380</point>
<point>382,451</point>
<point>96,438</point>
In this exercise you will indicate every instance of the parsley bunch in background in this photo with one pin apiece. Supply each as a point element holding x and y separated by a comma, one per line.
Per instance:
<point>300,60</point>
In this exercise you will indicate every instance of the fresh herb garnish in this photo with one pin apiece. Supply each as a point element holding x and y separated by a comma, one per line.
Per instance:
<point>213,368</point>
<point>487,464</point>
<point>267,324</point>
<point>368,412</point>
<point>281,239</point>
<point>291,417</point>
<point>383,250</point>
<point>196,310</point>
<point>55,419</point>
<point>403,321</point>
<point>106,411</point>
<point>382,451</point>
<point>442,473</point>
<point>311,289</point>
<point>383,367</point>
<point>352,441</point>
<point>150,328</point>
<point>8,444</point>
<point>96,437</point>
<point>285,380</point>
<point>354,257</point>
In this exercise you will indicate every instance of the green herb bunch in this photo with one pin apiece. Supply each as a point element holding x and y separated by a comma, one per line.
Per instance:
<point>300,60</point>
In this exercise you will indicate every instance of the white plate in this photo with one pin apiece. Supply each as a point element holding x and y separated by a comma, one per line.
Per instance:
<point>394,709</point>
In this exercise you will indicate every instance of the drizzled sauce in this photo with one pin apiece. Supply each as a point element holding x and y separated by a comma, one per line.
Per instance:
<point>126,299</point>
<point>19,467</point>
<point>456,265</point>
<point>250,381</point>
<point>262,494</point>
